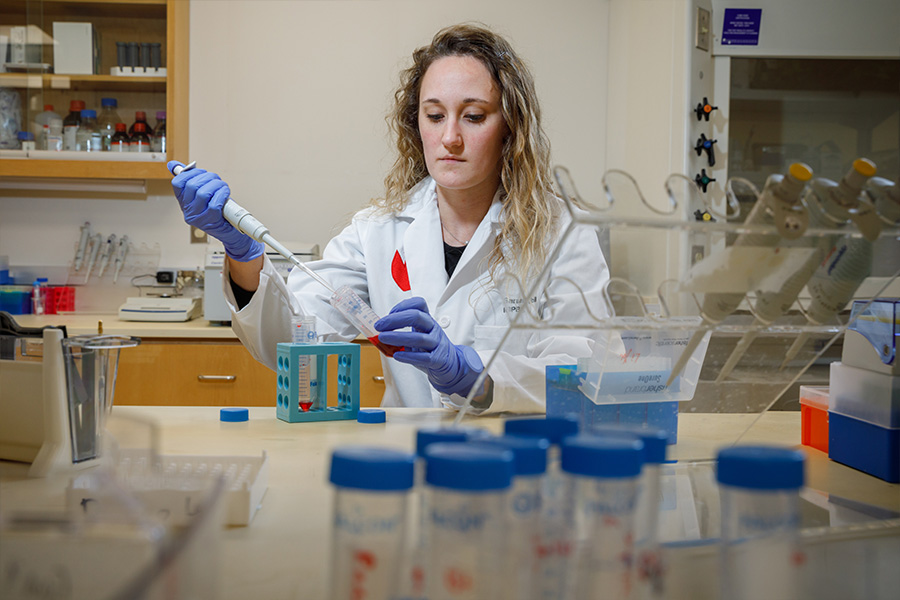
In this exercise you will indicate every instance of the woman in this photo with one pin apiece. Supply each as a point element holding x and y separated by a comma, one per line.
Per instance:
<point>464,228</point>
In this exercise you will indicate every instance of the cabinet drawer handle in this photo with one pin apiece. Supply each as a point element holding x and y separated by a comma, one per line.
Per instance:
<point>378,378</point>
<point>214,378</point>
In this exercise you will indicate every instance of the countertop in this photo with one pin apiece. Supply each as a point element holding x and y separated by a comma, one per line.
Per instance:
<point>283,553</point>
<point>86,324</point>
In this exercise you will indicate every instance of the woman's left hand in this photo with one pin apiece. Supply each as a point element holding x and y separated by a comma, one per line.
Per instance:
<point>451,369</point>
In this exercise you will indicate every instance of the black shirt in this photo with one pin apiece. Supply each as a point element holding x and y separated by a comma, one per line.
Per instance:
<point>452,254</point>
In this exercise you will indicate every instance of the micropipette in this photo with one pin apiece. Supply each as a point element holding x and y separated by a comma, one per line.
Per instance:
<point>344,299</point>
<point>833,282</point>
<point>121,251</point>
<point>106,254</point>
<point>95,249</point>
<point>779,205</point>
<point>82,244</point>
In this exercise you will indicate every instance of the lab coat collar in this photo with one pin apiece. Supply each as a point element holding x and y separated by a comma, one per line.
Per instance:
<point>474,259</point>
<point>423,248</point>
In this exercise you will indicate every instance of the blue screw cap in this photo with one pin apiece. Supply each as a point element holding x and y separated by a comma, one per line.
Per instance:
<point>234,415</point>
<point>469,466</point>
<point>655,439</point>
<point>761,467</point>
<point>367,468</point>
<point>612,457</point>
<point>371,415</point>
<point>529,452</point>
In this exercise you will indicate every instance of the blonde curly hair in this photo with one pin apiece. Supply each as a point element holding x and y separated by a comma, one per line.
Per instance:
<point>527,216</point>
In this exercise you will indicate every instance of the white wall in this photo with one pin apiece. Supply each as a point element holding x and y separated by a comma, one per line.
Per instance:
<point>287,103</point>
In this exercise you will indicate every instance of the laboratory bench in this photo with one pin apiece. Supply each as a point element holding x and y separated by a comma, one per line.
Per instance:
<point>284,551</point>
<point>196,363</point>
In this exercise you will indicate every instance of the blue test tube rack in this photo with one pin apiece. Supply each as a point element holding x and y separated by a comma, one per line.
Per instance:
<point>287,392</point>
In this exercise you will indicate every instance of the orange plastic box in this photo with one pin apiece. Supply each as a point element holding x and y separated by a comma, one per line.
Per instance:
<point>814,417</point>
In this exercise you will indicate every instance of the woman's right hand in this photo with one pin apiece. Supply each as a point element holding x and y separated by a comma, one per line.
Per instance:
<point>202,195</point>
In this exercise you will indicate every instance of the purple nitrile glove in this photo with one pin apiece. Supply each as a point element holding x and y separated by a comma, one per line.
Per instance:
<point>451,369</point>
<point>202,195</point>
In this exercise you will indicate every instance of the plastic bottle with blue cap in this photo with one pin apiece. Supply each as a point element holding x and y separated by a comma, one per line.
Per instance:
<point>467,486</point>
<point>552,538</point>
<point>524,510</point>
<point>760,495</point>
<point>649,569</point>
<point>418,542</point>
<point>371,501</point>
<point>602,496</point>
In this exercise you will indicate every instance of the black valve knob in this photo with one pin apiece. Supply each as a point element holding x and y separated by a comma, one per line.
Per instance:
<point>703,180</point>
<point>704,108</point>
<point>706,145</point>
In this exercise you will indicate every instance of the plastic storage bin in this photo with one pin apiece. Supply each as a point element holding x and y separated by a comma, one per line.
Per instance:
<point>814,417</point>
<point>565,399</point>
<point>865,446</point>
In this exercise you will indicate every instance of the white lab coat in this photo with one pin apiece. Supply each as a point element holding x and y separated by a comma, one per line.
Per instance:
<point>467,306</point>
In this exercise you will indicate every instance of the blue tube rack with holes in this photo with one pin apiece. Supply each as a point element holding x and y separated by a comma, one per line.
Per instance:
<point>287,391</point>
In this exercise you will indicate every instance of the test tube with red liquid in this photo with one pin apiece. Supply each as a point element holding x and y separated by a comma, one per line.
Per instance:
<point>303,331</point>
<point>361,316</point>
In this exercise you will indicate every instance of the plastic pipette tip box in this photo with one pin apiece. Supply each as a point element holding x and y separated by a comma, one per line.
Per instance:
<point>170,484</point>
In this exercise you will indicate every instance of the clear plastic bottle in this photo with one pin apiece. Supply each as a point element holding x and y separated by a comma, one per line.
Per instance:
<point>158,141</point>
<point>42,121</point>
<point>303,331</point>
<point>87,139</point>
<point>466,485</point>
<point>760,495</point>
<point>649,568</point>
<point>38,297</point>
<point>106,122</point>
<point>372,491</point>
<point>553,549</point>
<point>523,511</point>
<point>602,495</point>
<point>53,135</point>
<point>71,124</point>
<point>140,117</point>
<point>139,141</point>
<point>413,579</point>
<point>120,141</point>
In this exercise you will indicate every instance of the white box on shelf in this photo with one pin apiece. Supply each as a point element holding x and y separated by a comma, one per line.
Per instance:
<point>74,48</point>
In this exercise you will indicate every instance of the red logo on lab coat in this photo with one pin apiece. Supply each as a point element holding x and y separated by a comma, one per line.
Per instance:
<point>399,272</point>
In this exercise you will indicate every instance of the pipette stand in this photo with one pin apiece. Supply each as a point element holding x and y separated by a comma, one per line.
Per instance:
<point>347,381</point>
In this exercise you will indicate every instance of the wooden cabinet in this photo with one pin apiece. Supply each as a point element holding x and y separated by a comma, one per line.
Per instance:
<point>142,21</point>
<point>191,372</point>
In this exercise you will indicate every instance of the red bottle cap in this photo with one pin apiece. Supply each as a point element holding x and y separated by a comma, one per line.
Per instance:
<point>48,107</point>
<point>121,127</point>
<point>140,115</point>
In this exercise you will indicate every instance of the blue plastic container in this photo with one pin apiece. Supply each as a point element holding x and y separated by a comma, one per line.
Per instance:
<point>564,399</point>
